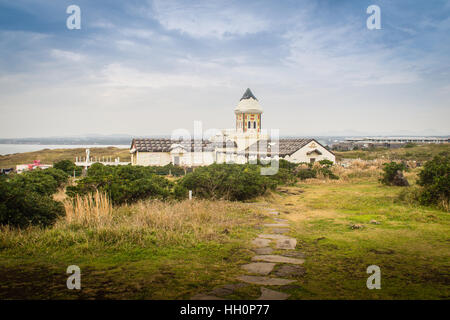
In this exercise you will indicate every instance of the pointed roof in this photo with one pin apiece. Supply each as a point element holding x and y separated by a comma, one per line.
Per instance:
<point>248,104</point>
<point>248,94</point>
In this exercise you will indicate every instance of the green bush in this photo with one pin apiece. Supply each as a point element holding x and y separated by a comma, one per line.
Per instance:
<point>435,180</point>
<point>123,184</point>
<point>25,199</point>
<point>390,172</point>
<point>284,177</point>
<point>68,167</point>
<point>228,181</point>
<point>306,173</point>
<point>327,173</point>
<point>44,182</point>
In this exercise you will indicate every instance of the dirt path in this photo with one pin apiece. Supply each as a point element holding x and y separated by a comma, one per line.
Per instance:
<point>275,263</point>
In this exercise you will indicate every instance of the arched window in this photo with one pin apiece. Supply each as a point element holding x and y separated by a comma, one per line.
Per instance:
<point>249,125</point>
<point>254,124</point>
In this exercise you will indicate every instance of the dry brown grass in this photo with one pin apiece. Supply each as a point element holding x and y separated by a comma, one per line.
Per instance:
<point>90,210</point>
<point>166,222</point>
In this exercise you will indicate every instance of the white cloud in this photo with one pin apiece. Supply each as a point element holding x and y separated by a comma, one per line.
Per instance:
<point>116,75</point>
<point>66,55</point>
<point>208,19</point>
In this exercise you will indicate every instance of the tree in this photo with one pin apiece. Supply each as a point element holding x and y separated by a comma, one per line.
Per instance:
<point>393,174</point>
<point>435,180</point>
<point>68,167</point>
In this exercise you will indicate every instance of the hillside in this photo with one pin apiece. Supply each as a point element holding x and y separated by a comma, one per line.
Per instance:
<point>416,152</point>
<point>49,156</point>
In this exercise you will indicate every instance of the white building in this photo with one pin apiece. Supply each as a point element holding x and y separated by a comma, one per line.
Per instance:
<point>246,141</point>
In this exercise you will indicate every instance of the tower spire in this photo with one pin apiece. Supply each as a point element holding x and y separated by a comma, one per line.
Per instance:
<point>248,94</point>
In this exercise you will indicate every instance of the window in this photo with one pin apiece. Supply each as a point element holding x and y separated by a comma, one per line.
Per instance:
<point>312,160</point>
<point>249,125</point>
<point>254,124</point>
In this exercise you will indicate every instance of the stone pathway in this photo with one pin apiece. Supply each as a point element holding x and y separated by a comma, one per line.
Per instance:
<point>266,268</point>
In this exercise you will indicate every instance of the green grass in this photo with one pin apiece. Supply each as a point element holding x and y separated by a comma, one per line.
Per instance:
<point>410,245</point>
<point>126,261</point>
<point>418,152</point>
<point>48,156</point>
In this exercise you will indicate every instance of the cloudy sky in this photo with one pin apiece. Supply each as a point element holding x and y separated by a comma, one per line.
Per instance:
<point>149,67</point>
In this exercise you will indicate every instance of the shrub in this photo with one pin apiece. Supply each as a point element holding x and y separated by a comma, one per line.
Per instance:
<point>284,176</point>
<point>306,173</point>
<point>391,173</point>
<point>228,181</point>
<point>68,167</point>
<point>44,182</point>
<point>21,207</point>
<point>435,180</point>
<point>123,184</point>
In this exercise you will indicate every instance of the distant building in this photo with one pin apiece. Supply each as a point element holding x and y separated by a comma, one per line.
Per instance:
<point>31,166</point>
<point>239,145</point>
<point>399,140</point>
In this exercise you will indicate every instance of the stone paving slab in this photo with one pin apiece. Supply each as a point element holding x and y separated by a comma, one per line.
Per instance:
<point>288,270</point>
<point>264,281</point>
<point>286,244</point>
<point>276,225</point>
<point>280,230</point>
<point>277,259</point>
<point>272,236</point>
<point>227,289</point>
<point>263,268</point>
<point>266,250</point>
<point>261,243</point>
<point>267,294</point>
<point>295,254</point>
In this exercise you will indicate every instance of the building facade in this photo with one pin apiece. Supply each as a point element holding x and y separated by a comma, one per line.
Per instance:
<point>245,142</point>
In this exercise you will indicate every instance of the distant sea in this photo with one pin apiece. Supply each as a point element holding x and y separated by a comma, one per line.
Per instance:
<point>19,148</point>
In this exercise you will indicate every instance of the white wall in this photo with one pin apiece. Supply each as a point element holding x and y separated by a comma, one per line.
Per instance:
<point>301,155</point>
<point>152,158</point>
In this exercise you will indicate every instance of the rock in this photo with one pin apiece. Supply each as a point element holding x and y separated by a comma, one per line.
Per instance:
<point>400,180</point>
<point>221,291</point>
<point>274,212</point>
<point>272,236</point>
<point>266,250</point>
<point>356,226</point>
<point>280,220</point>
<point>287,270</point>
<point>263,268</point>
<point>260,243</point>
<point>264,281</point>
<point>296,254</point>
<point>276,225</point>
<point>321,238</point>
<point>374,222</point>
<point>267,294</point>
<point>280,230</point>
<point>286,244</point>
<point>386,251</point>
<point>226,289</point>
<point>277,259</point>
<point>202,296</point>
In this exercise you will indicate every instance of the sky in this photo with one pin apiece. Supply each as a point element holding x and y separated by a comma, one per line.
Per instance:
<point>150,67</point>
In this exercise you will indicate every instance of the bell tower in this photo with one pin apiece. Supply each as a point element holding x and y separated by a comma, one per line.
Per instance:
<point>248,114</point>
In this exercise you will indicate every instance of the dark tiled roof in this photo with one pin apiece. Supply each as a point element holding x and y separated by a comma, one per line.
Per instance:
<point>248,94</point>
<point>165,145</point>
<point>285,146</point>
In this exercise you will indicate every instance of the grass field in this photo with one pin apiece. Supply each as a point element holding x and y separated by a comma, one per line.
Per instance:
<point>49,156</point>
<point>156,250</point>
<point>417,152</point>
<point>410,244</point>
